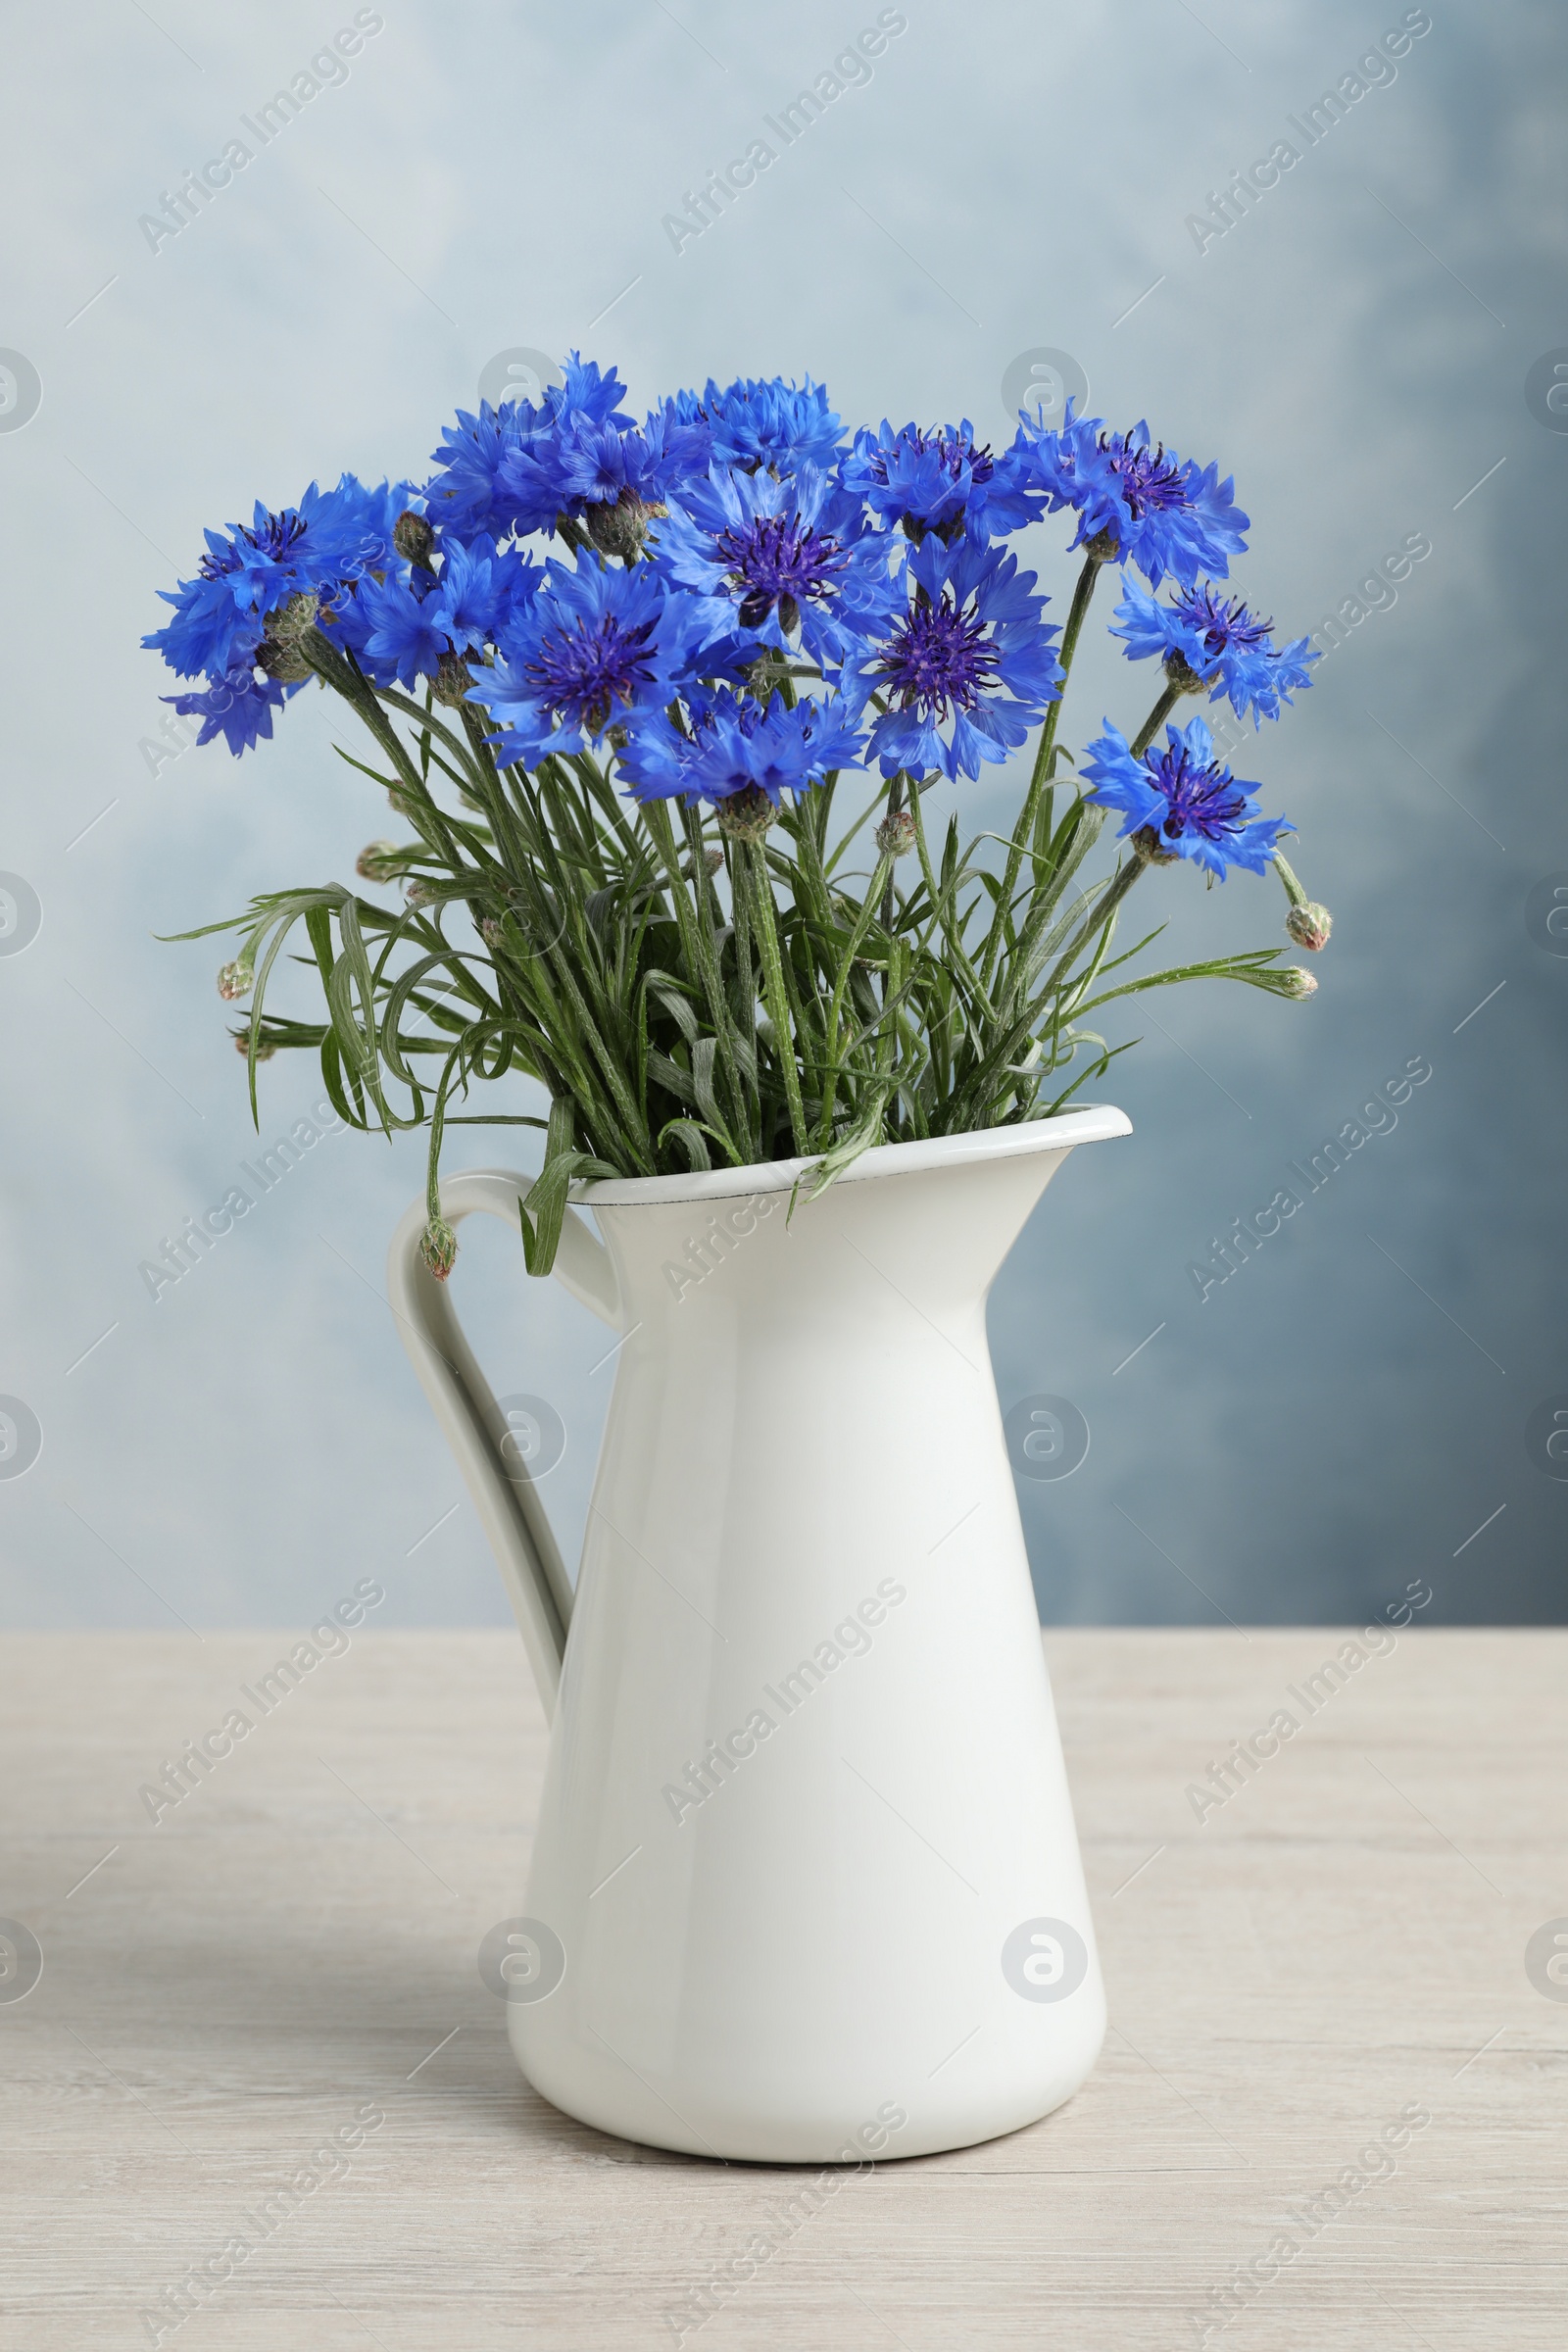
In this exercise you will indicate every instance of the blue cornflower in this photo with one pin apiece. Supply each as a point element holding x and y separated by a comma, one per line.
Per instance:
<point>398,633</point>
<point>323,544</point>
<point>1220,643</point>
<point>591,471</point>
<point>461,494</point>
<point>209,633</point>
<point>588,392</point>
<point>481,590</point>
<point>593,648</point>
<point>239,707</point>
<point>735,747</point>
<point>1142,503</point>
<point>770,558</point>
<point>476,485</point>
<point>597,465</point>
<point>970,653</point>
<point>403,629</point>
<point>755,423</point>
<point>942,481</point>
<point>1190,802</point>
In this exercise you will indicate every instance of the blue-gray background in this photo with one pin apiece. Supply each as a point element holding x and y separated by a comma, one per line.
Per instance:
<point>1341,1416</point>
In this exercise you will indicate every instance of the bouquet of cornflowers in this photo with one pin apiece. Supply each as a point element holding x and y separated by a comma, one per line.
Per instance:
<point>619,768</point>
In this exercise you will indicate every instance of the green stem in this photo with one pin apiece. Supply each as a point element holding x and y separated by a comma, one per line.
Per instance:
<point>895,805</point>
<point>746,980</point>
<point>1156,720</point>
<point>869,809</point>
<point>597,786</point>
<point>1023,831</point>
<point>774,993</point>
<point>1103,912</point>
<point>696,941</point>
<point>941,913</point>
<point>835,1011</point>
<point>1293,887</point>
<point>970,1106</point>
<point>710,920</point>
<point>344,674</point>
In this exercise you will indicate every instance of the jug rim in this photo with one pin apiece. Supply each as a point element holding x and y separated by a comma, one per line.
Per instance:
<point>1088,1123</point>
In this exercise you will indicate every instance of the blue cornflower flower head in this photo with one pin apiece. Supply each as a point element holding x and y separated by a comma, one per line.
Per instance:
<point>1141,502</point>
<point>1208,640</point>
<point>755,423</point>
<point>209,634</point>
<point>596,465</point>
<point>613,480</point>
<point>584,459</point>
<point>1186,797</point>
<point>942,481</point>
<point>323,544</point>
<point>773,560</point>
<point>588,392</point>
<point>239,707</point>
<point>591,649</point>
<point>970,655</point>
<point>365,521</point>
<point>468,492</point>
<point>403,629</point>
<point>396,632</point>
<point>531,487</point>
<point>463,495</point>
<point>737,746</point>
<point>679,429</point>
<point>480,591</point>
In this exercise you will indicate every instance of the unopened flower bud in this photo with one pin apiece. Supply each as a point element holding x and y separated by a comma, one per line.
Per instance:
<point>491,930</point>
<point>294,617</point>
<point>419,893</point>
<point>712,859</point>
<point>377,862</point>
<point>620,529</point>
<point>438,1247</point>
<point>264,1051</point>
<point>453,679</point>
<point>1301,983</point>
<point>896,834</point>
<point>414,538</point>
<point>235,980</point>
<point>1310,925</point>
<point>400,802</point>
<point>747,815</point>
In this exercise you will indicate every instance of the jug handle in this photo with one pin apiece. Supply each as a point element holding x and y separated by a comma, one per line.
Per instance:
<point>507,1503</point>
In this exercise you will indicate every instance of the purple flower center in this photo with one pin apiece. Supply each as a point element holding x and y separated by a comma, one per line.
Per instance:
<point>1224,625</point>
<point>276,539</point>
<point>1202,800</point>
<point>940,659</point>
<point>1146,477</point>
<point>778,559</point>
<point>585,671</point>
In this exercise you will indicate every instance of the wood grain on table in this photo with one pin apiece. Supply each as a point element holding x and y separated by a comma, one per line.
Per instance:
<point>1342,1941</point>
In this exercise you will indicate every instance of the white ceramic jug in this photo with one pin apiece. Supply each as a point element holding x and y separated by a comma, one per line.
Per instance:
<point>806,1886</point>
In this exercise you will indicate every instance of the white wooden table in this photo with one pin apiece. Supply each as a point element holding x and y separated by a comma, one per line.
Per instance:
<point>293,1946</point>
